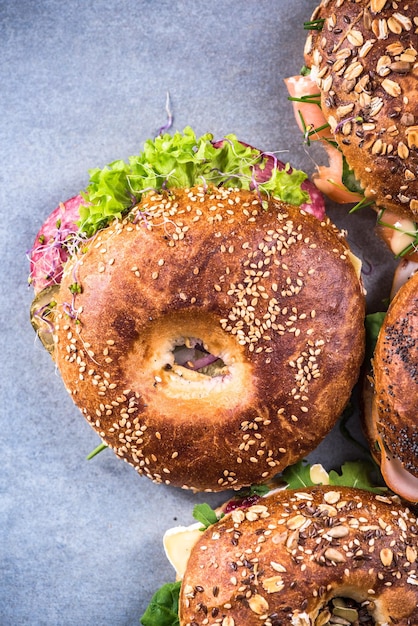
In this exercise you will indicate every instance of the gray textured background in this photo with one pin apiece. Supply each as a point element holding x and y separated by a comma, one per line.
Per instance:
<point>81,84</point>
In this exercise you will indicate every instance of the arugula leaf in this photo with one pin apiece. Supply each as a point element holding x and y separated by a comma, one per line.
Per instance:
<point>298,475</point>
<point>204,514</point>
<point>355,474</point>
<point>163,610</point>
<point>181,160</point>
<point>259,490</point>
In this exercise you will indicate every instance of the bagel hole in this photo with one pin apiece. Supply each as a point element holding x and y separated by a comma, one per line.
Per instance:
<point>193,354</point>
<point>346,612</point>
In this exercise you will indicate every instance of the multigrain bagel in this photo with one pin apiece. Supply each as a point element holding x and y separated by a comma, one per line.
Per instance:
<point>391,413</point>
<point>364,60</point>
<point>284,560</point>
<point>266,291</point>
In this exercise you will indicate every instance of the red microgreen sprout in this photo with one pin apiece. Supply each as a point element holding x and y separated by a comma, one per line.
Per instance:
<point>170,117</point>
<point>354,118</point>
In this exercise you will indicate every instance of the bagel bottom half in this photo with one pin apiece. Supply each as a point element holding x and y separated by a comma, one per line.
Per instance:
<point>302,558</point>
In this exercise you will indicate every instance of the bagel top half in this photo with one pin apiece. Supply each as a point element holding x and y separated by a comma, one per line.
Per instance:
<point>320,555</point>
<point>268,293</point>
<point>364,60</point>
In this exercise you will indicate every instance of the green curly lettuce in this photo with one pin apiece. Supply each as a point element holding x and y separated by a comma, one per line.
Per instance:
<point>181,160</point>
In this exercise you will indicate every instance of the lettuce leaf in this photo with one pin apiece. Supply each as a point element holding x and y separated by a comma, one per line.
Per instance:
<point>163,610</point>
<point>182,160</point>
<point>204,514</point>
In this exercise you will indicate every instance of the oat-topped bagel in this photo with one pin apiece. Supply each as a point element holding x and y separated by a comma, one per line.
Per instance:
<point>364,60</point>
<point>391,416</point>
<point>212,340</point>
<point>319,556</point>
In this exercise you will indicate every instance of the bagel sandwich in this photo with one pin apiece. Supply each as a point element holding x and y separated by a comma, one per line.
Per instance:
<point>210,331</point>
<point>357,94</point>
<point>309,554</point>
<point>390,414</point>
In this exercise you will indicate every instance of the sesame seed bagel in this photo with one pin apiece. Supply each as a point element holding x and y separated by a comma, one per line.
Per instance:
<point>265,294</point>
<point>290,557</point>
<point>395,376</point>
<point>364,61</point>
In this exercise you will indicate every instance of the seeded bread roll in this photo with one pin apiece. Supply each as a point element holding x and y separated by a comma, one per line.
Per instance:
<point>391,419</point>
<point>283,561</point>
<point>209,340</point>
<point>364,60</point>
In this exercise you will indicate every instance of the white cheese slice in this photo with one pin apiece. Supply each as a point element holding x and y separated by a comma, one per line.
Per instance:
<point>178,543</point>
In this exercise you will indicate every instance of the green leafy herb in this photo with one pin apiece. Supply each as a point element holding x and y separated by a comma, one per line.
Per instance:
<point>163,610</point>
<point>259,490</point>
<point>307,129</point>
<point>180,160</point>
<point>349,180</point>
<point>364,202</point>
<point>204,514</point>
<point>298,475</point>
<point>305,70</point>
<point>310,98</point>
<point>373,323</point>
<point>314,24</point>
<point>75,288</point>
<point>96,451</point>
<point>355,474</point>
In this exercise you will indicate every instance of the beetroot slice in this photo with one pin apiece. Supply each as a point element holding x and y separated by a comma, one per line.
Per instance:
<point>49,252</point>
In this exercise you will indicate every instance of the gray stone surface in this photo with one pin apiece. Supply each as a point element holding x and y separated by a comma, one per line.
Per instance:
<point>81,84</point>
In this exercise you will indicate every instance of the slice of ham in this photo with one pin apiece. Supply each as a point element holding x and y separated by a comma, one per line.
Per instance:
<point>50,249</point>
<point>308,115</point>
<point>400,232</point>
<point>329,179</point>
<point>404,270</point>
<point>396,477</point>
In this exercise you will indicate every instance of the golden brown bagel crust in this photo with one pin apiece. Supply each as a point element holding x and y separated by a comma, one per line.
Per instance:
<point>365,61</point>
<point>281,560</point>
<point>395,371</point>
<point>272,292</point>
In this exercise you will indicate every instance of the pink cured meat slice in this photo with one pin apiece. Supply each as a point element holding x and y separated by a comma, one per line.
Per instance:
<point>49,254</point>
